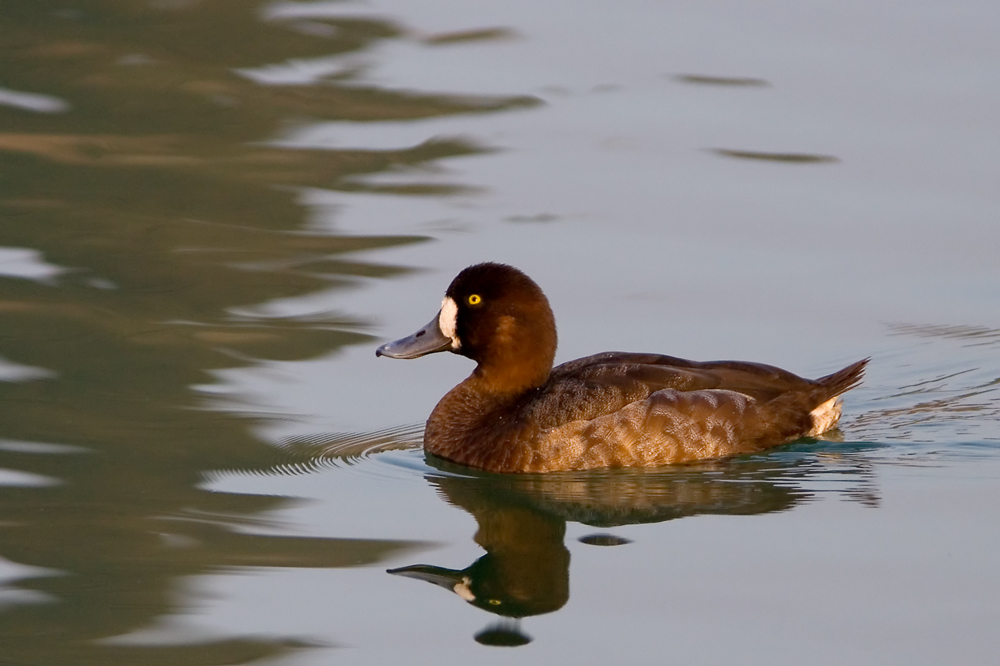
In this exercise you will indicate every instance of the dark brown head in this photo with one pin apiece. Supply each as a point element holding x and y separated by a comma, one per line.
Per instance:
<point>497,316</point>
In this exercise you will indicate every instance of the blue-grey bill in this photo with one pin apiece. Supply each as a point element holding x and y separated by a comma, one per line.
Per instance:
<point>427,340</point>
<point>446,578</point>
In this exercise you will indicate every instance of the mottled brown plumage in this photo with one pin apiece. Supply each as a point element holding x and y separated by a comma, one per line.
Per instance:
<point>516,413</point>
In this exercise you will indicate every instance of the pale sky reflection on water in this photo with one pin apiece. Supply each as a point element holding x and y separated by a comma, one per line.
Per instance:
<point>648,240</point>
<point>644,239</point>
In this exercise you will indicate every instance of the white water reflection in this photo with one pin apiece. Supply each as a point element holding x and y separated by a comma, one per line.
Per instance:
<point>19,262</point>
<point>43,448</point>
<point>16,478</point>
<point>18,372</point>
<point>10,574</point>
<point>32,101</point>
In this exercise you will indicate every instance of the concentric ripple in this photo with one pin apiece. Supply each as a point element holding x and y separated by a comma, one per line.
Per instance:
<point>394,452</point>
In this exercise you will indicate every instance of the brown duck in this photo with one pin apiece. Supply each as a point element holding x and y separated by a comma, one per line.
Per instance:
<point>516,413</point>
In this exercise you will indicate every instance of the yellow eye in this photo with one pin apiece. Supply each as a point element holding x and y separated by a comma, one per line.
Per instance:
<point>475,299</point>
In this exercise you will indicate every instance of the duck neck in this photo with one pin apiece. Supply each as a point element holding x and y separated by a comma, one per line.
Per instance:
<point>477,422</point>
<point>520,358</point>
<point>507,383</point>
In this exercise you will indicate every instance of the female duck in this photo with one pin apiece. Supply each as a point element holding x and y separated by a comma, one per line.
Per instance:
<point>516,413</point>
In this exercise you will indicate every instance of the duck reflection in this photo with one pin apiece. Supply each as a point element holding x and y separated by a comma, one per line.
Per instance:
<point>522,519</point>
<point>525,570</point>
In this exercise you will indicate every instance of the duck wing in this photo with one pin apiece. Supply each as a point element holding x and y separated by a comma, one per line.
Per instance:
<point>593,386</point>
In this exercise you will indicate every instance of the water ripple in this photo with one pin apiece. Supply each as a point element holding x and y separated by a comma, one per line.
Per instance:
<point>391,452</point>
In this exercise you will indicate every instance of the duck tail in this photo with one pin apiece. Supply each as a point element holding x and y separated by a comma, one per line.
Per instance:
<point>827,404</point>
<point>843,380</point>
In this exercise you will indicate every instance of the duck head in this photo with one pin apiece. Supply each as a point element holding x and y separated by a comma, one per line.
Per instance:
<point>495,315</point>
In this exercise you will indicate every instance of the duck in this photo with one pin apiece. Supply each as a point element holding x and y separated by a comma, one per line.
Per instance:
<point>516,413</point>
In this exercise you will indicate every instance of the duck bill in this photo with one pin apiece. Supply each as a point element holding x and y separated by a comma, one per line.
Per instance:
<point>450,579</point>
<point>446,578</point>
<point>427,340</point>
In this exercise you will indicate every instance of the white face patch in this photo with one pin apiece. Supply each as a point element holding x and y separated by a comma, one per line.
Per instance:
<point>448,321</point>
<point>463,588</point>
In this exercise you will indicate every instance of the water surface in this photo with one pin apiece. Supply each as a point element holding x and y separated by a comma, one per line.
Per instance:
<point>213,212</point>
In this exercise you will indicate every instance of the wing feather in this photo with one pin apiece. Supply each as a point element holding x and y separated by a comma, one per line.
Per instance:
<point>594,386</point>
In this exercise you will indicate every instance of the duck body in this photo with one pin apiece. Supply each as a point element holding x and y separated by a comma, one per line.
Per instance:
<point>516,413</point>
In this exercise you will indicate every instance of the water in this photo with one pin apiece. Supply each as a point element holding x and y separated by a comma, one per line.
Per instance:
<point>212,213</point>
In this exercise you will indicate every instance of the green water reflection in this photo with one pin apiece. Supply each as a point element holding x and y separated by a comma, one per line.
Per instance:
<point>152,188</point>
